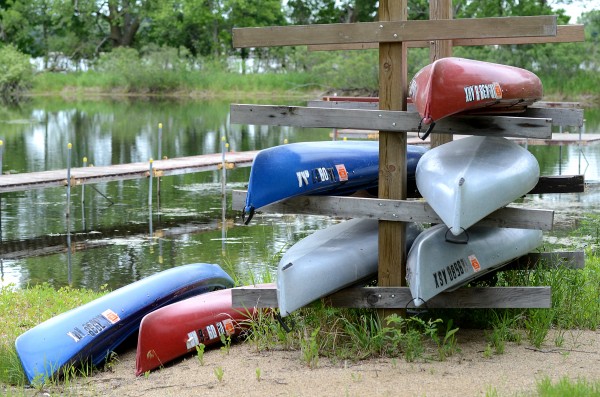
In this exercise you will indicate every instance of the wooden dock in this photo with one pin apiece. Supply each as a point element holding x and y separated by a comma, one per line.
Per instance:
<point>85,175</point>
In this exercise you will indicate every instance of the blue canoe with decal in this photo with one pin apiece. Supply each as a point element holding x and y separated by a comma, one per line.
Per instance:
<point>88,334</point>
<point>333,168</point>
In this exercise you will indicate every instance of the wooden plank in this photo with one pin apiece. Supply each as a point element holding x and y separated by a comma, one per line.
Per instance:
<point>398,210</point>
<point>564,34</point>
<point>568,115</point>
<point>400,297</point>
<point>395,31</point>
<point>564,117</point>
<point>388,120</point>
<point>441,9</point>
<point>466,298</point>
<point>559,184</point>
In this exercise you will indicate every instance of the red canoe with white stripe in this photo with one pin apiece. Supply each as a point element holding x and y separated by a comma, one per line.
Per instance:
<point>457,85</point>
<point>175,330</point>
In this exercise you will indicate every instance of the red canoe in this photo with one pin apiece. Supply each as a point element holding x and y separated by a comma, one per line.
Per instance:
<point>175,330</point>
<point>456,85</point>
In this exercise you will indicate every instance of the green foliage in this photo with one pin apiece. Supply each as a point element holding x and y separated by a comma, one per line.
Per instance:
<point>567,387</point>
<point>23,309</point>
<point>16,73</point>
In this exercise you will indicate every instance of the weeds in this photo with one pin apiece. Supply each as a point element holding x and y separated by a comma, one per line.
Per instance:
<point>200,353</point>
<point>219,372</point>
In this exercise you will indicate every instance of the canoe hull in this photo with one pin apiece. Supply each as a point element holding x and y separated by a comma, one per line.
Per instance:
<point>176,329</point>
<point>317,168</point>
<point>435,265</point>
<point>456,85</point>
<point>469,178</point>
<point>89,332</point>
<point>329,260</point>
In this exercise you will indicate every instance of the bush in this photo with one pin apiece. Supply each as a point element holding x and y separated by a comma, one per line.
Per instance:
<point>16,73</point>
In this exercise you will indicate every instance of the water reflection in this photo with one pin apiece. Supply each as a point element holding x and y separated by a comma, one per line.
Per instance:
<point>118,232</point>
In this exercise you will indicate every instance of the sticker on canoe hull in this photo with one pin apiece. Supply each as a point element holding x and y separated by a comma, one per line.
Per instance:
<point>474,263</point>
<point>342,172</point>
<point>480,92</point>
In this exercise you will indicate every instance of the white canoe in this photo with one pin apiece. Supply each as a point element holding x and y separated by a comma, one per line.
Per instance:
<point>329,260</point>
<point>438,261</point>
<point>469,178</point>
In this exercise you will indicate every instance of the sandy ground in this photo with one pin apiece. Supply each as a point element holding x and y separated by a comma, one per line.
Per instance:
<point>283,373</point>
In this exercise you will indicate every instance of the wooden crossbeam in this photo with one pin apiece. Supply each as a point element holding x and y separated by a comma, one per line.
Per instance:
<point>395,31</point>
<point>397,210</point>
<point>565,114</point>
<point>564,34</point>
<point>400,297</point>
<point>388,120</point>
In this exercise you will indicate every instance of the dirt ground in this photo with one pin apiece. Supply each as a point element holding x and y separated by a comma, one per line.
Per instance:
<point>283,373</point>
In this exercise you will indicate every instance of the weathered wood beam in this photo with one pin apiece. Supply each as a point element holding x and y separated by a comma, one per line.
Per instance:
<point>400,297</point>
<point>395,31</point>
<point>396,210</point>
<point>559,184</point>
<point>565,114</point>
<point>564,34</point>
<point>388,120</point>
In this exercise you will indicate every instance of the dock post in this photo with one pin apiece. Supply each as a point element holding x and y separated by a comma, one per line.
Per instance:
<point>224,146</point>
<point>1,154</point>
<point>150,196</point>
<point>69,147</point>
<point>85,160</point>
<point>150,182</point>
<point>160,127</point>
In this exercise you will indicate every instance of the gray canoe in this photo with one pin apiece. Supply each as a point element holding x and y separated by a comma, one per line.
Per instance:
<point>329,260</point>
<point>469,178</point>
<point>439,261</point>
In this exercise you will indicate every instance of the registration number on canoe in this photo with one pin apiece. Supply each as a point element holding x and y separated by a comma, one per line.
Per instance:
<point>321,174</point>
<point>479,92</point>
<point>449,273</point>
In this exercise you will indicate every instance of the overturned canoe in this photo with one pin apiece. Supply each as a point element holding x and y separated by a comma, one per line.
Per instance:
<point>438,262</point>
<point>177,329</point>
<point>329,260</point>
<point>469,178</point>
<point>90,332</point>
<point>313,168</point>
<point>457,85</point>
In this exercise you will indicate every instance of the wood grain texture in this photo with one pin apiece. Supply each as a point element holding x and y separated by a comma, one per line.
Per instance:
<point>400,298</point>
<point>397,211</point>
<point>387,31</point>
<point>564,34</point>
<point>396,121</point>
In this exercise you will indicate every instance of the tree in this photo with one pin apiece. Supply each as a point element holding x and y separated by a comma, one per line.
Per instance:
<point>253,13</point>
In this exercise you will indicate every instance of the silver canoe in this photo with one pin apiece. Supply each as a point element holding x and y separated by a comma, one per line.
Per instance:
<point>469,178</point>
<point>439,261</point>
<point>329,260</point>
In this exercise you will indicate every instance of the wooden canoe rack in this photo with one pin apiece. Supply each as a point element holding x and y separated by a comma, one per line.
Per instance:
<point>393,118</point>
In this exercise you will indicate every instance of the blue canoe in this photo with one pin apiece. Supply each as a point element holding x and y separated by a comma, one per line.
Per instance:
<point>317,168</point>
<point>90,332</point>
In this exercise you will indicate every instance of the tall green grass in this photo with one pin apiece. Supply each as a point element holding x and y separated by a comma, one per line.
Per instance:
<point>213,84</point>
<point>22,309</point>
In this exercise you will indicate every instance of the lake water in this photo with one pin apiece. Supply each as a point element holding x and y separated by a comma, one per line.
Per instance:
<point>117,237</point>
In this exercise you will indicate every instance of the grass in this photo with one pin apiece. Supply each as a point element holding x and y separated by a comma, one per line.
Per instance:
<point>567,387</point>
<point>355,334</point>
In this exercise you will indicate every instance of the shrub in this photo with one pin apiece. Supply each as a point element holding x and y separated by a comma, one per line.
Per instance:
<point>16,73</point>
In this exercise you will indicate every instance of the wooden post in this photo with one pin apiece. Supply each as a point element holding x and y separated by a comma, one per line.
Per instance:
<point>392,151</point>
<point>440,9</point>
